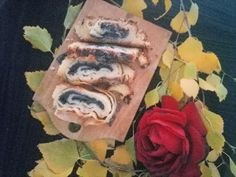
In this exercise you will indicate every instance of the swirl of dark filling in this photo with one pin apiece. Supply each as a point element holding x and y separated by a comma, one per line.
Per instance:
<point>78,97</point>
<point>113,31</point>
<point>87,66</point>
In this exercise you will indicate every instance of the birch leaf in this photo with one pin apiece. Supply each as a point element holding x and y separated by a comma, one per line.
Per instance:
<point>168,4</point>
<point>34,78</point>
<point>155,2</point>
<point>190,87</point>
<point>168,55</point>
<point>99,147</point>
<point>178,24</point>
<point>213,79</point>
<point>213,156</point>
<point>129,145</point>
<point>221,92</point>
<point>121,156</point>
<point>59,155</point>
<point>215,141</point>
<point>151,98</point>
<point>214,170</point>
<point>48,127</point>
<point>176,91</point>
<point>190,71</point>
<point>71,15</point>
<point>134,7</point>
<point>206,171</point>
<point>38,37</point>
<point>232,166</point>
<point>92,168</point>
<point>205,85</point>
<point>193,14</point>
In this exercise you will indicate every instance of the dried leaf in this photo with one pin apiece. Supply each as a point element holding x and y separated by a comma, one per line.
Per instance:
<point>190,87</point>
<point>214,170</point>
<point>71,15</point>
<point>206,171</point>
<point>214,122</point>
<point>92,168</point>
<point>99,147</point>
<point>221,92</point>
<point>60,155</point>
<point>213,156</point>
<point>215,141</point>
<point>190,71</point>
<point>191,50</point>
<point>134,7</point>
<point>193,14</point>
<point>176,91</point>
<point>205,85</point>
<point>42,170</point>
<point>38,37</point>
<point>232,166</point>
<point>48,127</point>
<point>121,156</point>
<point>129,145</point>
<point>151,98</point>
<point>168,55</point>
<point>34,78</point>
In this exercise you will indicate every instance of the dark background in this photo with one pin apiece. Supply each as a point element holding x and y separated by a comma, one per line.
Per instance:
<point>20,134</point>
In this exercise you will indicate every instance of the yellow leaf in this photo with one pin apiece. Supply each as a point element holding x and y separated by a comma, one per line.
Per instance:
<point>164,72</point>
<point>178,23</point>
<point>193,14</point>
<point>134,7</point>
<point>129,145</point>
<point>168,4</point>
<point>215,141</point>
<point>99,147</point>
<point>92,168</point>
<point>190,87</point>
<point>190,50</point>
<point>176,91</point>
<point>190,71</point>
<point>60,155</point>
<point>177,71</point>
<point>206,171</point>
<point>168,55</point>
<point>34,78</point>
<point>205,85</point>
<point>121,156</point>
<point>214,170</point>
<point>151,98</point>
<point>213,79</point>
<point>214,122</point>
<point>42,170</point>
<point>221,92</point>
<point>48,127</point>
<point>208,63</point>
<point>213,156</point>
<point>155,2</point>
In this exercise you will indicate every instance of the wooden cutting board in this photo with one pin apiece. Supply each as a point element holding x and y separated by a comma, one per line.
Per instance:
<point>158,38</point>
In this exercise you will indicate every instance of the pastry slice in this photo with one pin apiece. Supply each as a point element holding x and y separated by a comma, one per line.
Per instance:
<point>77,71</point>
<point>107,53</point>
<point>90,105</point>
<point>119,32</point>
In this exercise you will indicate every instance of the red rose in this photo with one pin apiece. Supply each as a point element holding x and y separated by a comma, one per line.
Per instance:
<point>171,142</point>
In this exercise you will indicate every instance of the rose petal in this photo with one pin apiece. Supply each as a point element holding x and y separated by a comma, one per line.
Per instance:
<point>170,141</point>
<point>169,103</point>
<point>197,145</point>
<point>194,118</point>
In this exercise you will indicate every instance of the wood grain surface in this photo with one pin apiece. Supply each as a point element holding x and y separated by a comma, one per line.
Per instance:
<point>158,38</point>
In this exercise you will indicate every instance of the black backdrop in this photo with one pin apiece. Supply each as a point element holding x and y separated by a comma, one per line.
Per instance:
<point>20,134</point>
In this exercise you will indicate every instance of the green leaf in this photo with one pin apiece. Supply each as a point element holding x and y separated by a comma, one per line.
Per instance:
<point>206,171</point>
<point>214,170</point>
<point>215,141</point>
<point>92,168</point>
<point>205,85</point>
<point>151,98</point>
<point>213,156</point>
<point>38,37</point>
<point>71,15</point>
<point>59,155</point>
<point>48,126</point>
<point>42,170</point>
<point>168,55</point>
<point>129,145</point>
<point>214,122</point>
<point>213,80</point>
<point>221,92</point>
<point>232,166</point>
<point>190,71</point>
<point>84,152</point>
<point>34,78</point>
